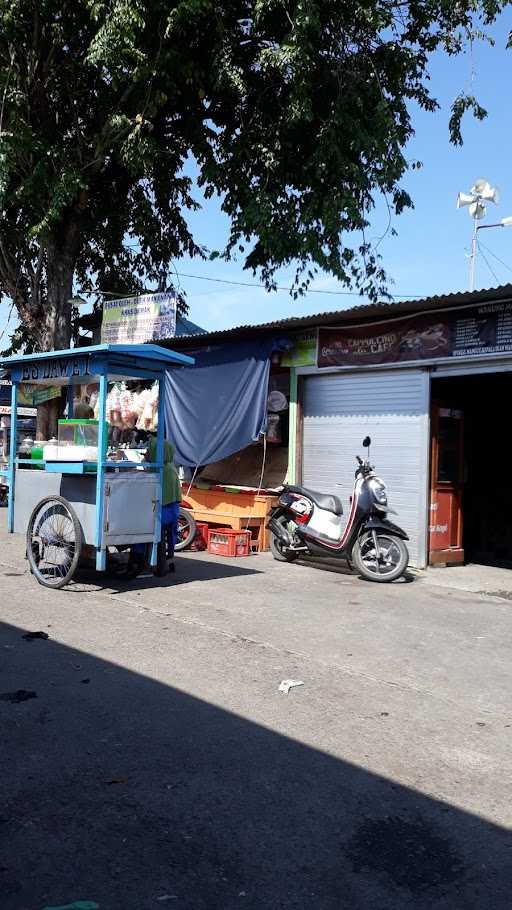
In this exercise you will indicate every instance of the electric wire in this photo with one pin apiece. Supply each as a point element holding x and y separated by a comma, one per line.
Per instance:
<point>504,264</point>
<point>484,257</point>
<point>253,284</point>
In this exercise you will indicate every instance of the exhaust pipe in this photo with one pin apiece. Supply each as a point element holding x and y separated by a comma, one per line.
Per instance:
<point>280,532</point>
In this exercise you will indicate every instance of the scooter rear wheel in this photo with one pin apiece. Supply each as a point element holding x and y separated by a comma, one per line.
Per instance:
<point>278,550</point>
<point>391,562</point>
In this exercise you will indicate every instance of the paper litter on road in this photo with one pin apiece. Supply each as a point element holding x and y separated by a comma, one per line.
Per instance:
<point>288,684</point>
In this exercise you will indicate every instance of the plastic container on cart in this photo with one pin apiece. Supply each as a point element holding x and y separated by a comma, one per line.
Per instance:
<point>78,432</point>
<point>37,450</point>
<point>77,442</point>
<point>26,446</point>
<point>37,453</point>
<point>228,542</point>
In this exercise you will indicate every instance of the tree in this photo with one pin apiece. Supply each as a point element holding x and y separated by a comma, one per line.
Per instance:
<point>296,113</point>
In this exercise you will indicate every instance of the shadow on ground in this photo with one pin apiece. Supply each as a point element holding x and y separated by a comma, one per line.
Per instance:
<point>122,790</point>
<point>341,567</point>
<point>188,570</point>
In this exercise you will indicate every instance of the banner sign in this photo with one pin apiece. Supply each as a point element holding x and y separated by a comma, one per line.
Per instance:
<point>134,320</point>
<point>303,352</point>
<point>485,329</point>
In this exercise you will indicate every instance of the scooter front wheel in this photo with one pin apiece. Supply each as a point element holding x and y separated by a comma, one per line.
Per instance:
<point>380,557</point>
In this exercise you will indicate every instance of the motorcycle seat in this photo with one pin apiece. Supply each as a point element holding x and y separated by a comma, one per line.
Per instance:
<point>323,500</point>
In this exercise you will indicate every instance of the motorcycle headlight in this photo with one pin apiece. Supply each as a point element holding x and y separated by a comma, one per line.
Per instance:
<point>379,491</point>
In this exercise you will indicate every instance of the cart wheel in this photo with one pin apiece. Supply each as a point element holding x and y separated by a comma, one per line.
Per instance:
<point>54,542</point>
<point>162,565</point>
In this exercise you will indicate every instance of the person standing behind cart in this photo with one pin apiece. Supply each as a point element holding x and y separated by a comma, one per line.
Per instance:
<point>171,498</point>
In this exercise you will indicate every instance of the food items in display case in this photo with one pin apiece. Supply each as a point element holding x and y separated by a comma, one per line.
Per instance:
<point>129,410</point>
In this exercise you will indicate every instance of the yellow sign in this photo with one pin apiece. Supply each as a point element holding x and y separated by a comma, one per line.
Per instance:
<point>303,353</point>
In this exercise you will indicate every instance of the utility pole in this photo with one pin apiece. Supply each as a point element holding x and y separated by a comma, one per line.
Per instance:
<point>472,258</point>
<point>481,194</point>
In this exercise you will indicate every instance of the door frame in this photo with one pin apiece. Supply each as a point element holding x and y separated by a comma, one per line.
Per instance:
<point>453,555</point>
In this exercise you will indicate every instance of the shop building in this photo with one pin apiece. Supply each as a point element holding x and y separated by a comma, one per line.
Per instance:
<point>430,382</point>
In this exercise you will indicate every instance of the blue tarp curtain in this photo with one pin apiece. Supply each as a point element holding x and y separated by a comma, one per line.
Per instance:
<point>219,405</point>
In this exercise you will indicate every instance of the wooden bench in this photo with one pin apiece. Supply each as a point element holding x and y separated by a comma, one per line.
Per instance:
<point>240,509</point>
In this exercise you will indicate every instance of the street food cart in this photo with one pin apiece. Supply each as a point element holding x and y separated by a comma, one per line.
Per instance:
<point>71,496</point>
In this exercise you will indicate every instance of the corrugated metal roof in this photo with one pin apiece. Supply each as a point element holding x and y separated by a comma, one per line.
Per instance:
<point>361,313</point>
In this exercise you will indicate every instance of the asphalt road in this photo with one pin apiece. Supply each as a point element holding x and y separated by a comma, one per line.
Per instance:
<point>154,763</point>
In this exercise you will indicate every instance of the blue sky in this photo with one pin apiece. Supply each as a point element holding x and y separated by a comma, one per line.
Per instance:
<point>429,255</point>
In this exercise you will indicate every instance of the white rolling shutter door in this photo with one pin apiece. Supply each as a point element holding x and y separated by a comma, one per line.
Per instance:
<point>392,407</point>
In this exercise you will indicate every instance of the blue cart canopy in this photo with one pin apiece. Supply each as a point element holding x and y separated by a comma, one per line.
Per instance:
<point>83,364</point>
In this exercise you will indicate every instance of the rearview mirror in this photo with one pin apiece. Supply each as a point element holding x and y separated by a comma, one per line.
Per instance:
<point>367,442</point>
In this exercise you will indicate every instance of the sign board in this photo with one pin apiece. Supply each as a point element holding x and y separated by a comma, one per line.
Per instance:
<point>32,395</point>
<point>134,320</point>
<point>56,368</point>
<point>21,412</point>
<point>303,352</point>
<point>485,329</point>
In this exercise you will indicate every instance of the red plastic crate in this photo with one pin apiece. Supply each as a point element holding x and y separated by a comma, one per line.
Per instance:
<point>227,542</point>
<point>200,541</point>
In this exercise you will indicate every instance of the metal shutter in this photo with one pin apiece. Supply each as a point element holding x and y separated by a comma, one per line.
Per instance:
<point>392,407</point>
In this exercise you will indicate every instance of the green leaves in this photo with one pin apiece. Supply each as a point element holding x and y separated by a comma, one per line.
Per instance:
<point>117,40</point>
<point>296,115</point>
<point>460,106</point>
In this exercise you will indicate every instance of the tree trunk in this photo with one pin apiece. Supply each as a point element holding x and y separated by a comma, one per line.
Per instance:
<point>53,332</point>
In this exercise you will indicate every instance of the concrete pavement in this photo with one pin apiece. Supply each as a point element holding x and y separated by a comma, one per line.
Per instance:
<point>158,765</point>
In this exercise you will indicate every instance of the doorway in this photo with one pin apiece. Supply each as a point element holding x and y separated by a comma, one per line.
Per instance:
<point>471,492</point>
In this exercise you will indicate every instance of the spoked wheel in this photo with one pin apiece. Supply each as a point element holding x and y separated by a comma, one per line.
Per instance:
<point>186,530</point>
<point>54,542</point>
<point>380,557</point>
